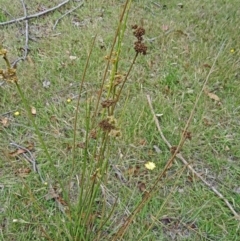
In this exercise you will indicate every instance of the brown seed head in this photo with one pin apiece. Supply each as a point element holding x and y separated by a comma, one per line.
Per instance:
<point>108,103</point>
<point>140,48</point>
<point>173,149</point>
<point>139,32</point>
<point>135,26</point>
<point>106,126</point>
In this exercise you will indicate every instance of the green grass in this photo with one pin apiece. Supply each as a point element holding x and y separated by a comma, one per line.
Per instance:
<point>172,73</point>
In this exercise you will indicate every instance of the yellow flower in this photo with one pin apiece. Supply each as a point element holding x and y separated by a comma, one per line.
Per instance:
<point>69,100</point>
<point>17,113</point>
<point>232,51</point>
<point>150,165</point>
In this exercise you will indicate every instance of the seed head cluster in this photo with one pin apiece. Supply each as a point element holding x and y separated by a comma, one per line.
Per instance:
<point>106,126</point>
<point>139,46</point>
<point>9,74</point>
<point>108,103</point>
<point>109,125</point>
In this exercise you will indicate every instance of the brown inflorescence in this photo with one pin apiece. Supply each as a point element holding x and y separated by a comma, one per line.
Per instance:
<point>108,103</point>
<point>134,26</point>
<point>139,46</point>
<point>9,74</point>
<point>187,135</point>
<point>173,149</point>
<point>139,32</point>
<point>106,126</point>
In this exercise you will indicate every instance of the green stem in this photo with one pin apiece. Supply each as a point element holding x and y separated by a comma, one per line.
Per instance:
<point>37,131</point>
<point>27,107</point>
<point>124,81</point>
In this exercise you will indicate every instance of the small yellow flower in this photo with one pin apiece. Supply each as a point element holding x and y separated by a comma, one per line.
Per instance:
<point>232,51</point>
<point>69,100</point>
<point>150,165</point>
<point>17,113</point>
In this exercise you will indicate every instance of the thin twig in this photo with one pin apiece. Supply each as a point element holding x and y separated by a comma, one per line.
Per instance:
<point>65,14</point>
<point>179,156</point>
<point>158,5</point>
<point>26,48</point>
<point>26,31</point>
<point>31,159</point>
<point>7,113</point>
<point>24,8</point>
<point>183,136</point>
<point>34,15</point>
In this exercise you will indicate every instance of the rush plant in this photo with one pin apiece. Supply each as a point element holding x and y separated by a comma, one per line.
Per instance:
<point>82,216</point>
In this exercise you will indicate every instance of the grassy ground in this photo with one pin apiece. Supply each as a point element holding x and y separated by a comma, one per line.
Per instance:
<point>182,44</point>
